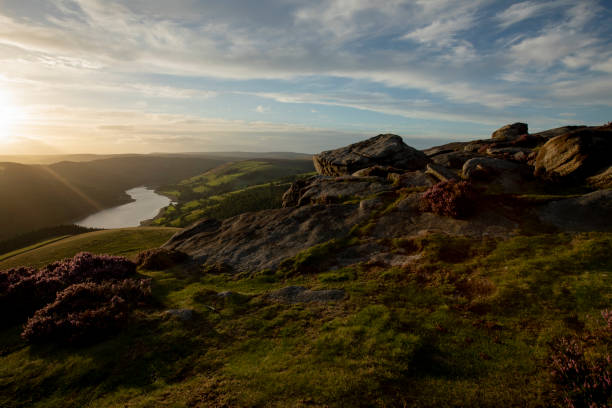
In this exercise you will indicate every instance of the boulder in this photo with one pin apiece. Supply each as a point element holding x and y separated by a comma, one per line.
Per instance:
<point>575,155</point>
<point>377,171</point>
<point>411,179</point>
<point>383,150</point>
<point>550,133</point>
<point>441,173</point>
<point>299,294</point>
<point>590,212</point>
<point>510,131</point>
<point>453,160</point>
<point>446,148</point>
<point>501,176</point>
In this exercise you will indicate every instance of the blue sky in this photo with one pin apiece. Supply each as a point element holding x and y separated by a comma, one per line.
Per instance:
<point>269,75</point>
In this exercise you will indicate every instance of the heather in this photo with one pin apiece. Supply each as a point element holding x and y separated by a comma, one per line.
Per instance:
<point>451,198</point>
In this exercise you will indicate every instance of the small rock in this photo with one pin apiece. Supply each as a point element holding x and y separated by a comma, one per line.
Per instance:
<point>299,294</point>
<point>510,131</point>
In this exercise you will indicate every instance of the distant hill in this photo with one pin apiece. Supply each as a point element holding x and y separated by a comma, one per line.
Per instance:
<point>38,196</point>
<point>231,189</point>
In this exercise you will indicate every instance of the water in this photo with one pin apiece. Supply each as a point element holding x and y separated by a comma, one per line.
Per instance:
<point>146,206</point>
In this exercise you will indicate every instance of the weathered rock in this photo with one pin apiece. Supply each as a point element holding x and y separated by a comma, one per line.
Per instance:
<point>411,179</point>
<point>299,294</point>
<point>590,212</point>
<point>575,155</point>
<point>486,168</point>
<point>256,241</point>
<point>602,180</point>
<point>453,160</point>
<point>383,150</point>
<point>158,259</point>
<point>549,134</point>
<point>441,173</point>
<point>330,190</point>
<point>500,175</point>
<point>446,148</point>
<point>376,171</point>
<point>510,131</point>
<point>508,151</point>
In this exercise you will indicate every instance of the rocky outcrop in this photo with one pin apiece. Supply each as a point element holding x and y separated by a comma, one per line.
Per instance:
<point>382,150</point>
<point>510,131</point>
<point>575,155</point>
<point>333,190</point>
<point>441,173</point>
<point>590,212</point>
<point>497,175</point>
<point>549,134</point>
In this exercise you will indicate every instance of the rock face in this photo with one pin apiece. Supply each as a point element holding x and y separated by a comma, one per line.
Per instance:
<point>575,155</point>
<point>382,150</point>
<point>602,180</point>
<point>510,131</point>
<point>591,212</point>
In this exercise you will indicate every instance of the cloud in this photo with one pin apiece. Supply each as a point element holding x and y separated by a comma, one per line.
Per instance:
<point>262,109</point>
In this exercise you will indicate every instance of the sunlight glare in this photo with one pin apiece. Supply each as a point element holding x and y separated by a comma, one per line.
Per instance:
<point>9,114</point>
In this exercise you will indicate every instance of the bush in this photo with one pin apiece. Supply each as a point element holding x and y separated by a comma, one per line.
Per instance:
<point>583,382</point>
<point>159,259</point>
<point>86,311</point>
<point>450,198</point>
<point>25,290</point>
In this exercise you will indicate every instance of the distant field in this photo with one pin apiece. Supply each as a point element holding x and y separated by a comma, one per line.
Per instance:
<point>125,241</point>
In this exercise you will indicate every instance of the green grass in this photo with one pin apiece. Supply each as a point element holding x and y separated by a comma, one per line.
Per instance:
<point>124,241</point>
<point>469,324</point>
<point>231,189</point>
<point>31,247</point>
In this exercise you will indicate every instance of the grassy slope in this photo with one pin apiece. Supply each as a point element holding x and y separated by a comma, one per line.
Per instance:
<point>230,189</point>
<point>469,325</point>
<point>125,241</point>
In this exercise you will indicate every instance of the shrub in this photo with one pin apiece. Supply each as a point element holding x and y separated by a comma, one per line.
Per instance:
<point>159,259</point>
<point>25,290</point>
<point>86,311</point>
<point>450,198</point>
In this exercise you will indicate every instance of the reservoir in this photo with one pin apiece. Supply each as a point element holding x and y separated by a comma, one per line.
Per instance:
<point>146,205</point>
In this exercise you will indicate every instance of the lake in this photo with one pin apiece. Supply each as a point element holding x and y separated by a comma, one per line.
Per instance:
<point>146,205</point>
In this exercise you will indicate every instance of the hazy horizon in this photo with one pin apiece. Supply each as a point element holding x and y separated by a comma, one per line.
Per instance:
<point>108,77</point>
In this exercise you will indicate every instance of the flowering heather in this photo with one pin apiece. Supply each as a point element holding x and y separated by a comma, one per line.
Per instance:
<point>451,198</point>
<point>584,383</point>
<point>86,311</point>
<point>25,290</point>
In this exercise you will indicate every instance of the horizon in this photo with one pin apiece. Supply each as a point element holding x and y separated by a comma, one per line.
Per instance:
<point>145,77</point>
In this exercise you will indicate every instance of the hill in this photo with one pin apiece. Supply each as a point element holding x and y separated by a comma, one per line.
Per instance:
<point>231,189</point>
<point>124,241</point>
<point>37,196</point>
<point>470,274</point>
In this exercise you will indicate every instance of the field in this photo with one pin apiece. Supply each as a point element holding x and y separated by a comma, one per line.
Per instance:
<point>125,241</point>
<point>471,324</point>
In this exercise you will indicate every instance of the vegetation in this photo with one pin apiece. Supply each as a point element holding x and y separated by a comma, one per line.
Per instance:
<point>125,242</point>
<point>472,323</point>
<point>231,189</point>
<point>41,235</point>
<point>40,196</point>
<point>452,198</point>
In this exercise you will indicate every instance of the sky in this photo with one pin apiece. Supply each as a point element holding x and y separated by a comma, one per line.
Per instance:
<point>105,76</point>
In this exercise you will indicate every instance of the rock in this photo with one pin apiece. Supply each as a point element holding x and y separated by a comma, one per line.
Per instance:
<point>453,160</point>
<point>486,168</point>
<point>549,134</point>
<point>411,179</point>
<point>261,240</point>
<point>447,148</point>
<point>440,172</point>
<point>299,294</point>
<point>383,150</point>
<point>181,314</point>
<point>508,151</point>
<point>510,131</point>
<point>590,212</point>
<point>330,190</point>
<point>501,176</point>
<point>602,180</point>
<point>376,171</point>
<point>575,155</point>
